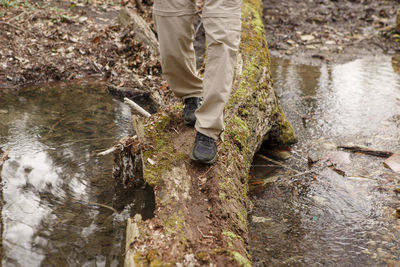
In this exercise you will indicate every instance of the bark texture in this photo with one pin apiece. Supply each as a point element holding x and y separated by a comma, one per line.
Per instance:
<point>201,211</point>
<point>398,21</point>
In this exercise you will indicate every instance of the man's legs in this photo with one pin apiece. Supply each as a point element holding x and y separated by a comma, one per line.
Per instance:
<point>174,22</point>
<point>222,24</point>
<point>223,38</point>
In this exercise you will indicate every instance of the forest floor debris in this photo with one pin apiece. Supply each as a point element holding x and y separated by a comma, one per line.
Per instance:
<point>48,40</point>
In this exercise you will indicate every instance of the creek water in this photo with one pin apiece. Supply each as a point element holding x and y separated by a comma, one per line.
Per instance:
<point>341,215</point>
<point>58,205</point>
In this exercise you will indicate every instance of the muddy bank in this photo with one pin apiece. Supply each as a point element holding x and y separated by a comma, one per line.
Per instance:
<point>43,41</point>
<point>324,30</point>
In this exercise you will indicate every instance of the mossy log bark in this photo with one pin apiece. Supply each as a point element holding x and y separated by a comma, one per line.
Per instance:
<point>398,21</point>
<point>201,211</point>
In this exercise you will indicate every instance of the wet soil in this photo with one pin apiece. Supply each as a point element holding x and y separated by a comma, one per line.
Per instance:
<point>326,30</point>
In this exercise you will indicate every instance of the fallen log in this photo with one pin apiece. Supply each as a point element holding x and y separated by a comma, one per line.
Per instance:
<point>201,211</point>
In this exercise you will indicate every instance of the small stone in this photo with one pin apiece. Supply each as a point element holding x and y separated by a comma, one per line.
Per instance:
<point>151,161</point>
<point>83,19</point>
<point>3,111</point>
<point>307,37</point>
<point>383,254</point>
<point>256,219</point>
<point>311,47</point>
<point>330,42</point>
<point>291,42</point>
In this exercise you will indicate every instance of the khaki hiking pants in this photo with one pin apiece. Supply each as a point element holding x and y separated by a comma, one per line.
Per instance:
<point>222,24</point>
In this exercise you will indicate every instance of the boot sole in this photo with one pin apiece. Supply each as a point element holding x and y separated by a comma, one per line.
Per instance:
<point>209,162</point>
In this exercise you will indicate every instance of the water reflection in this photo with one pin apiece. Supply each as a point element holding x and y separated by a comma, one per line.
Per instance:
<point>53,184</point>
<point>330,217</point>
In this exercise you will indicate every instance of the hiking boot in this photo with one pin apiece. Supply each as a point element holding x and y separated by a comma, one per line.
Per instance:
<point>204,150</point>
<point>191,105</point>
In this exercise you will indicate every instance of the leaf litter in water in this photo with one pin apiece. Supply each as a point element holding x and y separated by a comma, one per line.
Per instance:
<point>393,163</point>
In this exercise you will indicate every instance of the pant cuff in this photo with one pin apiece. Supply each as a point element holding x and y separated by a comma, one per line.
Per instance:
<point>174,13</point>
<point>210,133</point>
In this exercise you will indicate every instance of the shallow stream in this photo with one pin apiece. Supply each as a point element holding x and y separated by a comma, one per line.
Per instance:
<point>341,214</point>
<point>58,205</point>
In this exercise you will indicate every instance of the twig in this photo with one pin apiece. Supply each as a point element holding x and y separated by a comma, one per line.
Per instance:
<point>205,236</point>
<point>4,157</point>
<point>367,151</point>
<point>95,204</point>
<point>55,125</point>
<point>137,107</point>
<point>202,181</point>
<point>113,148</point>
<point>17,16</point>
<point>110,150</point>
<point>13,26</point>
<point>279,163</point>
<point>102,205</point>
<point>311,171</point>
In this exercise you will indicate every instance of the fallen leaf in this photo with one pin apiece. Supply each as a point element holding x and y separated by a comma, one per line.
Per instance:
<point>338,157</point>
<point>393,163</point>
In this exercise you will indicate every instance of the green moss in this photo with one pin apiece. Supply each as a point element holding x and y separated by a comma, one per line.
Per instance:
<point>166,156</point>
<point>232,236</point>
<point>238,121</point>
<point>243,112</point>
<point>162,122</point>
<point>202,256</point>
<point>236,256</point>
<point>174,223</point>
<point>240,259</point>
<point>137,258</point>
<point>157,263</point>
<point>222,196</point>
<point>242,215</point>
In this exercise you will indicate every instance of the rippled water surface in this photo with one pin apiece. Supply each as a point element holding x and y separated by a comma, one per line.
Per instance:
<point>58,205</point>
<point>342,213</point>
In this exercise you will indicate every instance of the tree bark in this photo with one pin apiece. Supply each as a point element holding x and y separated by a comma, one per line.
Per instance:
<point>201,211</point>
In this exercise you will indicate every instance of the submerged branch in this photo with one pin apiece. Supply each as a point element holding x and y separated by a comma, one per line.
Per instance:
<point>280,164</point>
<point>367,151</point>
<point>91,203</point>
<point>4,157</point>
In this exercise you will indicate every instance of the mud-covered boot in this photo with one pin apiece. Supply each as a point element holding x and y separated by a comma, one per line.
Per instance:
<point>191,105</point>
<point>204,150</point>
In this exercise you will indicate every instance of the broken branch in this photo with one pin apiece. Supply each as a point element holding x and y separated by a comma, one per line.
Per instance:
<point>136,107</point>
<point>113,149</point>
